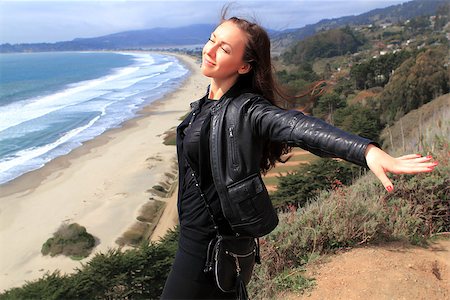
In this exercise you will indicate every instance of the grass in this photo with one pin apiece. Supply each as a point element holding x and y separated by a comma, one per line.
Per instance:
<point>134,235</point>
<point>281,168</point>
<point>420,129</point>
<point>150,211</point>
<point>309,157</point>
<point>170,137</point>
<point>270,180</point>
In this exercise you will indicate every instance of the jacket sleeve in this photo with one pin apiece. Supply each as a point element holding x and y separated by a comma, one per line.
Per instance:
<point>310,133</point>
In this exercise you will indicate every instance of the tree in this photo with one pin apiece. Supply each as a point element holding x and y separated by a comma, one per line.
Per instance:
<point>360,120</point>
<point>416,82</point>
<point>326,105</point>
<point>329,43</point>
<point>377,71</point>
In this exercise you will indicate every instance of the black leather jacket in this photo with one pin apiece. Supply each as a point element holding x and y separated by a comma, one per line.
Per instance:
<point>241,124</point>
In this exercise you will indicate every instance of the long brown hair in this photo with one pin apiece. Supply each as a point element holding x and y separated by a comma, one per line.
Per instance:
<point>261,78</point>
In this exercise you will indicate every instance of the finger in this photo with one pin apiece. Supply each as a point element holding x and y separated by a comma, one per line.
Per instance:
<point>415,158</point>
<point>409,156</point>
<point>381,175</point>
<point>411,166</point>
<point>424,168</point>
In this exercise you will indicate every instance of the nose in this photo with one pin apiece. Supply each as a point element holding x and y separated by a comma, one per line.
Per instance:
<point>210,49</point>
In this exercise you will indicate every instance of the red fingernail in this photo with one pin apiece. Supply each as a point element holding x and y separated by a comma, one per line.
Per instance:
<point>389,188</point>
<point>429,156</point>
<point>435,163</point>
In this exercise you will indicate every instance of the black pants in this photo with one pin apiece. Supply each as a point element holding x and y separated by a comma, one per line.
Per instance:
<point>188,281</point>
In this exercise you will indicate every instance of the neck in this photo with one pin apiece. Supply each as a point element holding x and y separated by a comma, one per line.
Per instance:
<point>218,88</point>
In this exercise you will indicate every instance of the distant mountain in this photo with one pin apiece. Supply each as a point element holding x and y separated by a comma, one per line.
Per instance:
<point>197,34</point>
<point>136,39</point>
<point>391,14</point>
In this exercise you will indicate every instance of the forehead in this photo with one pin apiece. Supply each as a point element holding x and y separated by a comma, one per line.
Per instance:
<point>230,33</point>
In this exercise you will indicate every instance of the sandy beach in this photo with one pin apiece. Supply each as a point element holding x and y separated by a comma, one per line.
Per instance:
<point>100,185</point>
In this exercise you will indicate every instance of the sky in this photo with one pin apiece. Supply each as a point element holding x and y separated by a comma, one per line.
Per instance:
<point>62,20</point>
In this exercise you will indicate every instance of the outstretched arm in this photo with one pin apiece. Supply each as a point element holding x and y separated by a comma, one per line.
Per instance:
<point>380,163</point>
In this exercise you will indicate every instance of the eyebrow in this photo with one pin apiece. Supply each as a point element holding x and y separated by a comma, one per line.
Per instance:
<point>222,41</point>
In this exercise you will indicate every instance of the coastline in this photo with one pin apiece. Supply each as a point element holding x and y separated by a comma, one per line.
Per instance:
<point>100,185</point>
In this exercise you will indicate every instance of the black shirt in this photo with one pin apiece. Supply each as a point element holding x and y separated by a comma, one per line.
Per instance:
<point>196,226</point>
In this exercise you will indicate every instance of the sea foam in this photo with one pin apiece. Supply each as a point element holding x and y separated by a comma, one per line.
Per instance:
<point>35,130</point>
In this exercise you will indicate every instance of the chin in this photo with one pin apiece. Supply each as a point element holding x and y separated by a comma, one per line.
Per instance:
<point>206,72</point>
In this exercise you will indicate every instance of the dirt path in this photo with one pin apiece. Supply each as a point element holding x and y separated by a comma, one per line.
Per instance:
<point>391,271</point>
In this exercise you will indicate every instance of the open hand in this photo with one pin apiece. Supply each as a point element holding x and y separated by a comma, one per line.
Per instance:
<point>381,163</point>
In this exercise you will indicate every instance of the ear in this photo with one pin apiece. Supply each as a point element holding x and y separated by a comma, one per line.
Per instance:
<point>245,68</point>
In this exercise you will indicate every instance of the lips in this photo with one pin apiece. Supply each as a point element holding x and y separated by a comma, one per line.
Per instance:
<point>208,62</point>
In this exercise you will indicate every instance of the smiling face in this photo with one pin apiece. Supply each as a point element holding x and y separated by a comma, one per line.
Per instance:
<point>223,54</point>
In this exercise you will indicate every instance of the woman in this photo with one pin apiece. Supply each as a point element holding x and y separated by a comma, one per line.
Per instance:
<point>234,133</point>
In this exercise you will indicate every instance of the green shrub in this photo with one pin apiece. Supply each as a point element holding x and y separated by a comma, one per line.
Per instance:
<point>71,240</point>
<point>132,274</point>
<point>420,206</point>
<point>293,280</point>
<point>322,174</point>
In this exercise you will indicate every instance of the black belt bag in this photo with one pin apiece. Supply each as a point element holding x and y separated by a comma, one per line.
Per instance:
<point>231,260</point>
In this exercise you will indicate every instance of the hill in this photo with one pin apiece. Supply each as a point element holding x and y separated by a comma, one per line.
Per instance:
<point>390,271</point>
<point>391,14</point>
<point>149,38</point>
<point>356,242</point>
<point>420,127</point>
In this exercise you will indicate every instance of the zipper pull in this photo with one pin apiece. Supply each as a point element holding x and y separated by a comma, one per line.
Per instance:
<point>231,131</point>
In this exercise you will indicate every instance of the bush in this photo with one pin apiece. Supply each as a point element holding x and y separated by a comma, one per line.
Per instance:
<point>350,216</point>
<point>71,240</point>
<point>296,188</point>
<point>133,274</point>
<point>419,206</point>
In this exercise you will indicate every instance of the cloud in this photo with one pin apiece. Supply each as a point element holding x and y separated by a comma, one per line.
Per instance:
<point>50,21</point>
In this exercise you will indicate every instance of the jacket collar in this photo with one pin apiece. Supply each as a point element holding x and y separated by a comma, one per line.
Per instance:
<point>196,104</point>
<point>237,89</point>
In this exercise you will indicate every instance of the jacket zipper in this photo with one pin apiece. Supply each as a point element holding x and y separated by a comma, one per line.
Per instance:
<point>233,149</point>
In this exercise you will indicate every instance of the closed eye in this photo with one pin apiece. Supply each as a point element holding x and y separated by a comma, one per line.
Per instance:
<point>225,50</point>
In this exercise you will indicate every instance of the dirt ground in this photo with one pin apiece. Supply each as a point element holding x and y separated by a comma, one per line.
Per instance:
<point>389,271</point>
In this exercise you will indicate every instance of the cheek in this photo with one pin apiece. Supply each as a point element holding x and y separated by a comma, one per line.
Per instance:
<point>230,62</point>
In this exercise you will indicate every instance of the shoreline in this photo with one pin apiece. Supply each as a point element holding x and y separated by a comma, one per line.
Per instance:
<point>29,179</point>
<point>100,185</point>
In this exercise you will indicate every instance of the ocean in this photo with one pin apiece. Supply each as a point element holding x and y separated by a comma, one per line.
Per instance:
<point>50,103</point>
